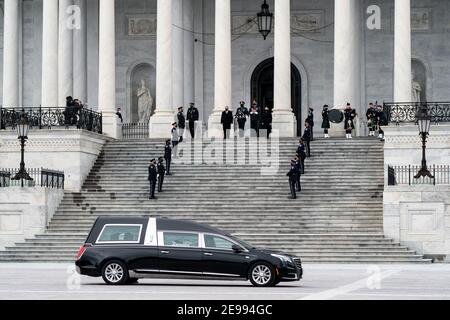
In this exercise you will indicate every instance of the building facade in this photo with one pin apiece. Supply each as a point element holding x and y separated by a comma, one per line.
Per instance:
<point>151,56</point>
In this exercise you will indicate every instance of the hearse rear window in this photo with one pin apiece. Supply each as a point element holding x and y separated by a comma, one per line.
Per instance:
<point>120,233</point>
<point>180,239</point>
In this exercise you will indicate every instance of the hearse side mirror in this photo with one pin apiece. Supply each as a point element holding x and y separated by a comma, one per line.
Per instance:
<point>236,248</point>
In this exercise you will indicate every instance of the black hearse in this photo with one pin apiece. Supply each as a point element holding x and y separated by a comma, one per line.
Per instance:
<point>124,249</point>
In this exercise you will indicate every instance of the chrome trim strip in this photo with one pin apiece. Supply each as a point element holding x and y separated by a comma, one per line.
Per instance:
<point>221,274</point>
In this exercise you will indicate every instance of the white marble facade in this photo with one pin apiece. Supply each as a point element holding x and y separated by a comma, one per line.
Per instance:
<point>136,45</point>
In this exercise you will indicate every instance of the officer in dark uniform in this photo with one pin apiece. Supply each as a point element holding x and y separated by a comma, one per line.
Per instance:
<point>310,120</point>
<point>371,116</point>
<point>292,174</point>
<point>168,156</point>
<point>192,117</point>
<point>161,171</point>
<point>226,120</point>
<point>266,121</point>
<point>181,123</point>
<point>254,119</point>
<point>152,176</point>
<point>325,121</point>
<point>298,165</point>
<point>307,139</point>
<point>301,151</point>
<point>241,117</point>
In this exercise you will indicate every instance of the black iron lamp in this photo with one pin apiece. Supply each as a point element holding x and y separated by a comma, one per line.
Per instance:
<point>23,127</point>
<point>265,18</point>
<point>424,122</point>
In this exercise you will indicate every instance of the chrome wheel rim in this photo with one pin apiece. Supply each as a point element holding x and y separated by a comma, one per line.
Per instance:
<point>114,272</point>
<point>261,274</point>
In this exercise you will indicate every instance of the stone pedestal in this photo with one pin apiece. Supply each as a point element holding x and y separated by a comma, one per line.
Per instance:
<point>285,123</point>
<point>161,125</point>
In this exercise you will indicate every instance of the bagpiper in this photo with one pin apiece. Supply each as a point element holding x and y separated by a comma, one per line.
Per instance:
<point>349,116</point>
<point>372,120</point>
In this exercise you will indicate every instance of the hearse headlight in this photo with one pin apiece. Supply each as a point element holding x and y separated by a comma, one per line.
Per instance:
<point>284,259</point>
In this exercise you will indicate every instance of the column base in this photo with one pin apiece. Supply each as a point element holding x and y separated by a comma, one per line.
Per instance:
<point>111,125</point>
<point>285,123</point>
<point>215,128</point>
<point>161,124</point>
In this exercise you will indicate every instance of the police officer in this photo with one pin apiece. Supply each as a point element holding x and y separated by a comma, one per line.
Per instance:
<point>292,174</point>
<point>168,156</point>
<point>192,117</point>
<point>325,121</point>
<point>241,117</point>
<point>310,120</point>
<point>298,165</point>
<point>152,176</point>
<point>307,139</point>
<point>266,121</point>
<point>161,171</point>
<point>226,120</point>
<point>301,151</point>
<point>181,123</point>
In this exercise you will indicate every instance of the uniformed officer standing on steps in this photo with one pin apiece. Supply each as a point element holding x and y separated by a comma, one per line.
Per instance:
<point>298,165</point>
<point>192,117</point>
<point>310,120</point>
<point>307,138</point>
<point>168,155</point>
<point>241,117</point>
<point>301,151</point>
<point>174,134</point>
<point>292,174</point>
<point>161,171</point>
<point>152,176</point>
<point>181,123</point>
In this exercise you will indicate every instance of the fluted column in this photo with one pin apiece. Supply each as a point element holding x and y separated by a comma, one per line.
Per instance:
<point>11,54</point>
<point>160,122</point>
<point>178,54</point>
<point>65,53</point>
<point>107,67</point>
<point>189,77</point>
<point>347,62</point>
<point>402,51</point>
<point>283,117</point>
<point>80,54</point>
<point>50,54</point>
<point>222,65</point>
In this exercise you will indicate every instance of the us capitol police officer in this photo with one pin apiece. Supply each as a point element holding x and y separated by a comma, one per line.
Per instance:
<point>152,176</point>
<point>161,171</point>
<point>168,155</point>
<point>192,116</point>
<point>292,174</point>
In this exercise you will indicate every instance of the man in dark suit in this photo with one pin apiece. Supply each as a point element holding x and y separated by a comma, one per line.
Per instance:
<point>181,123</point>
<point>168,155</point>
<point>152,176</point>
<point>192,117</point>
<point>161,171</point>
<point>226,120</point>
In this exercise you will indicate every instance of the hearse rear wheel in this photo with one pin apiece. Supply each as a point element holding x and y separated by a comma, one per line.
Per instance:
<point>115,272</point>
<point>262,274</point>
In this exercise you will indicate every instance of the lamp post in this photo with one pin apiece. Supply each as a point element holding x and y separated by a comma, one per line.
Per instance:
<point>265,18</point>
<point>424,122</point>
<point>22,131</point>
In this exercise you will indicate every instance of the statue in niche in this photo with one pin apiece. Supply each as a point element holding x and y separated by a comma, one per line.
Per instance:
<point>145,102</point>
<point>416,89</point>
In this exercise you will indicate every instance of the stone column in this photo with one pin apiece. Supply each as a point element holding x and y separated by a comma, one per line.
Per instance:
<point>80,54</point>
<point>283,118</point>
<point>11,54</point>
<point>160,122</point>
<point>189,39</point>
<point>402,52</point>
<point>50,54</point>
<point>222,66</point>
<point>65,53</point>
<point>347,66</point>
<point>178,54</point>
<point>107,68</point>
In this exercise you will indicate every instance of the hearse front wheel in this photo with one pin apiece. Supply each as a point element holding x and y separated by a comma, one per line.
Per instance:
<point>262,275</point>
<point>115,272</point>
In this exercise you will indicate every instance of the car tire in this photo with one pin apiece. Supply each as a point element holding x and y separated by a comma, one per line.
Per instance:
<point>262,274</point>
<point>115,272</point>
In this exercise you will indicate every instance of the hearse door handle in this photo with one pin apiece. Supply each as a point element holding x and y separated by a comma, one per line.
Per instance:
<point>208,254</point>
<point>165,252</point>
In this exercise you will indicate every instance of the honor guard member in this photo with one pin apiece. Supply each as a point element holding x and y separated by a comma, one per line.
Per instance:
<point>325,121</point>
<point>241,117</point>
<point>266,121</point>
<point>161,171</point>
<point>307,139</point>
<point>181,123</point>
<point>301,151</point>
<point>298,165</point>
<point>152,176</point>
<point>349,115</point>
<point>226,120</point>
<point>192,117</point>
<point>254,119</point>
<point>371,116</point>
<point>292,174</point>
<point>174,134</point>
<point>310,120</point>
<point>168,156</point>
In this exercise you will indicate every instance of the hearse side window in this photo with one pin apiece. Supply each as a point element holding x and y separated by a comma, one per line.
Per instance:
<point>180,239</point>
<point>120,233</point>
<point>217,242</point>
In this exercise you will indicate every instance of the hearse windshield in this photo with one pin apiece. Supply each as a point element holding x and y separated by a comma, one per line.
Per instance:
<point>246,245</point>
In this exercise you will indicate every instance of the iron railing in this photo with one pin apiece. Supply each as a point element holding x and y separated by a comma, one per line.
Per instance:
<point>135,131</point>
<point>404,175</point>
<point>407,112</point>
<point>47,118</point>
<point>45,178</point>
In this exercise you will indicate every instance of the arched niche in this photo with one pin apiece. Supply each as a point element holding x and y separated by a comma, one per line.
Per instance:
<point>419,76</point>
<point>139,72</point>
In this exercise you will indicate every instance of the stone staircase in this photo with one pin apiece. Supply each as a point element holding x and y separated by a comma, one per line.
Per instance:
<point>336,218</point>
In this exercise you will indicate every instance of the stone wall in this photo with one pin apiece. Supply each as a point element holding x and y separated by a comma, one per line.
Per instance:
<point>25,212</point>
<point>71,151</point>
